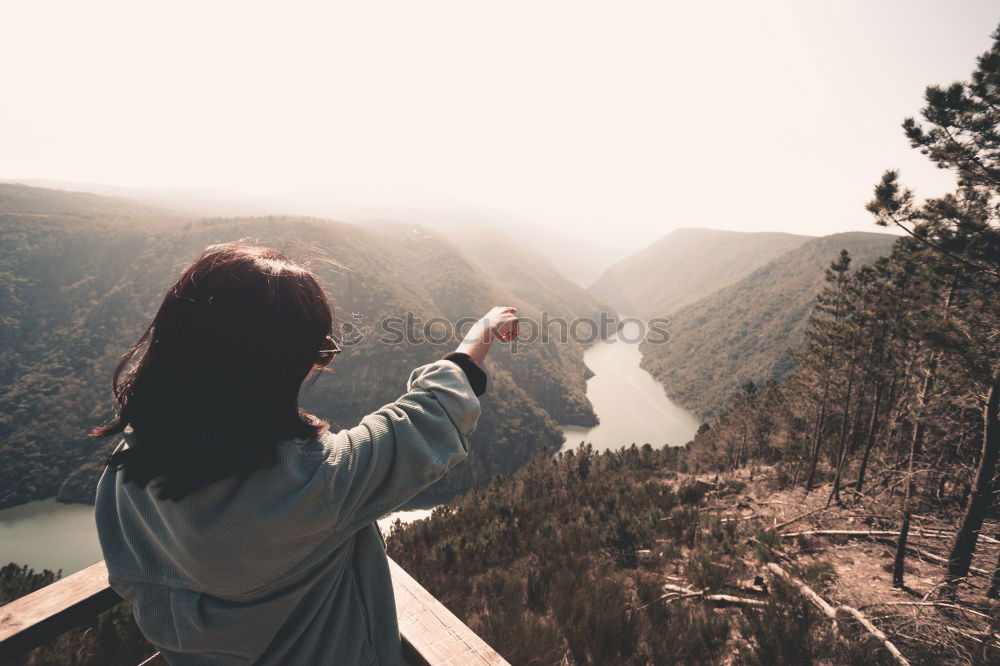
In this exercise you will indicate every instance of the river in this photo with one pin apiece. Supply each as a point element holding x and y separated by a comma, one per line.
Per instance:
<point>47,534</point>
<point>632,407</point>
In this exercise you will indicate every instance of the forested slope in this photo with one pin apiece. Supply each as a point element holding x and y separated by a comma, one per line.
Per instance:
<point>744,332</point>
<point>686,265</point>
<point>668,556</point>
<point>883,441</point>
<point>77,289</point>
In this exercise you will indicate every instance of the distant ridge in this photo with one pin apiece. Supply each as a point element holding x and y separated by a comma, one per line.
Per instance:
<point>22,200</point>
<point>576,257</point>
<point>527,273</point>
<point>743,332</point>
<point>686,265</point>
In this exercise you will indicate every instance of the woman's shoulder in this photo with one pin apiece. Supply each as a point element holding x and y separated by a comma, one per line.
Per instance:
<point>304,447</point>
<point>300,456</point>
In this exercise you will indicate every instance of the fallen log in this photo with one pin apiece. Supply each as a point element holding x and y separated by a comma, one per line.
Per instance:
<point>867,533</point>
<point>831,612</point>
<point>981,636</point>
<point>796,519</point>
<point>733,519</point>
<point>677,593</point>
<point>727,599</point>
<point>936,558</point>
<point>876,632</point>
<point>721,599</point>
<point>939,604</point>
<point>810,594</point>
<point>925,533</point>
<point>848,533</point>
<point>890,538</point>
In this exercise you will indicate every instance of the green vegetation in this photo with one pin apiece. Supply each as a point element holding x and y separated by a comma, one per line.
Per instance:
<point>565,563</point>
<point>685,266</point>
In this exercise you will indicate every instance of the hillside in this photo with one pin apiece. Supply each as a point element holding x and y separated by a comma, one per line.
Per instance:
<point>24,202</point>
<point>624,560</point>
<point>686,265</point>
<point>77,287</point>
<point>730,550</point>
<point>743,332</point>
<point>576,258</point>
<point>526,274</point>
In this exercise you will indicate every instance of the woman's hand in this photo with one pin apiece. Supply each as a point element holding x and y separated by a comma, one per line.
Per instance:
<point>499,323</point>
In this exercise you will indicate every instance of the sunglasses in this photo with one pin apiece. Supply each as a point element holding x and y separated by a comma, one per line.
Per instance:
<point>325,356</point>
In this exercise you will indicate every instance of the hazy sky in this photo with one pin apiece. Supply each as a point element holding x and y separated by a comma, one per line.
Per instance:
<point>612,117</point>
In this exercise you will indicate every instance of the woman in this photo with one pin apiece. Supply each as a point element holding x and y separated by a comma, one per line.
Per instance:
<point>239,527</point>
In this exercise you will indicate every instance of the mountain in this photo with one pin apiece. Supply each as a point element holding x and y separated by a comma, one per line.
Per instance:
<point>80,276</point>
<point>526,273</point>
<point>743,332</point>
<point>686,265</point>
<point>580,259</point>
<point>574,256</point>
<point>24,202</point>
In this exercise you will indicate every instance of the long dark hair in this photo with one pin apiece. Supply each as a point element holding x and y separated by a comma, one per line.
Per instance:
<point>212,386</point>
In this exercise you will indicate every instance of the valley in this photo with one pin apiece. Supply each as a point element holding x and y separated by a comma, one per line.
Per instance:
<point>724,278</point>
<point>77,293</point>
<point>630,404</point>
<point>789,379</point>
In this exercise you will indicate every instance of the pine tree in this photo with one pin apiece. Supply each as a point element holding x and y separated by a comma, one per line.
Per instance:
<point>822,331</point>
<point>961,132</point>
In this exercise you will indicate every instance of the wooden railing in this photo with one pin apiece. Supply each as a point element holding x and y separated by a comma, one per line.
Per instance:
<point>432,635</point>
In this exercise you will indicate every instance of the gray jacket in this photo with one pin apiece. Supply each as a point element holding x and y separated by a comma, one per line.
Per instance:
<point>288,565</point>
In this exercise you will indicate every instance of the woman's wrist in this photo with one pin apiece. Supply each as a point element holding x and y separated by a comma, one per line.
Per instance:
<point>500,322</point>
<point>476,344</point>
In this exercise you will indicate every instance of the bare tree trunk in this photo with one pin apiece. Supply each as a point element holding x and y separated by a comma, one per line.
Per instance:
<point>869,438</point>
<point>842,445</point>
<point>899,563</point>
<point>981,496</point>
<point>871,368</point>
<point>916,446</point>
<point>855,437</point>
<point>826,388</point>
<point>817,438</point>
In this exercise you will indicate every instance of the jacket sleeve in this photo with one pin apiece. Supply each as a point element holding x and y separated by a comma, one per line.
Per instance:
<point>402,448</point>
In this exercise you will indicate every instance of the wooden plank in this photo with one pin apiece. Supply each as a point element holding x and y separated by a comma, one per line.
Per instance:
<point>37,618</point>
<point>431,633</point>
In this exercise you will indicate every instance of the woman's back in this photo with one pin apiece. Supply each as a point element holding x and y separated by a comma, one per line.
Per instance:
<point>286,565</point>
<point>241,530</point>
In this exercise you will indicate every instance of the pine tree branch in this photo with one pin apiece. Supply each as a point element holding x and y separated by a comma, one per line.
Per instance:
<point>951,255</point>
